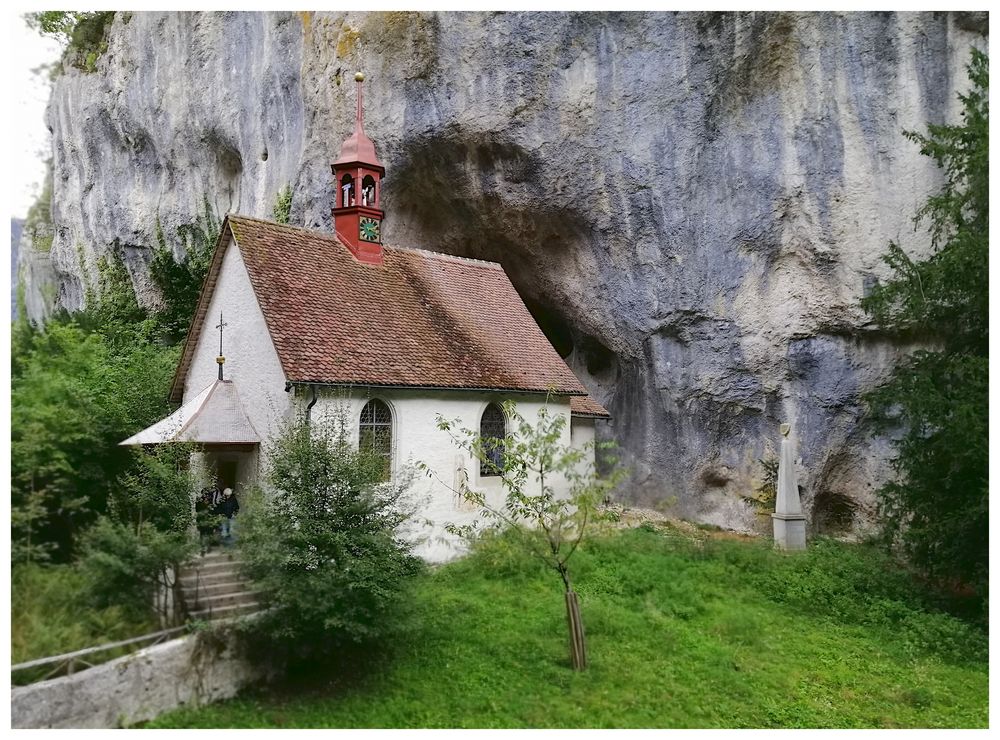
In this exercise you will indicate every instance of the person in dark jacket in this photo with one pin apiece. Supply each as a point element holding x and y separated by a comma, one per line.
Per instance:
<point>206,519</point>
<point>227,508</point>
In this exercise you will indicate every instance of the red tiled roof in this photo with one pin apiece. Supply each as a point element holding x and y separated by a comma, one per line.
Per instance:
<point>587,406</point>
<point>420,319</point>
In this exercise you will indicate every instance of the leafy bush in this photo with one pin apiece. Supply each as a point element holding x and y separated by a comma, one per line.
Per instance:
<point>324,548</point>
<point>862,585</point>
<point>158,489</point>
<point>938,507</point>
<point>133,567</point>
<point>133,556</point>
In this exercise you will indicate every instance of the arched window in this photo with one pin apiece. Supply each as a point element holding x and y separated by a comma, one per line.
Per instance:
<point>376,433</point>
<point>492,431</point>
<point>368,196</point>
<point>347,195</point>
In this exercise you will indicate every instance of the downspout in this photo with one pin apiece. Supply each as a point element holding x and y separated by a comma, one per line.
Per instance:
<point>310,405</point>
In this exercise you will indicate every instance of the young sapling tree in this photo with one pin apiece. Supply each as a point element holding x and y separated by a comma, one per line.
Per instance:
<point>551,492</point>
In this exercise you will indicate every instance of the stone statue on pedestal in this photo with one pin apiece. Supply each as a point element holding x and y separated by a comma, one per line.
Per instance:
<point>788,519</point>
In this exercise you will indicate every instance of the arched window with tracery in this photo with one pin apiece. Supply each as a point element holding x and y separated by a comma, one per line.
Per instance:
<point>492,432</point>
<point>376,433</point>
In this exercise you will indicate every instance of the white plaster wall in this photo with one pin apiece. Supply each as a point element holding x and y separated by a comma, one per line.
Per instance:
<point>416,438</point>
<point>581,432</point>
<point>251,360</point>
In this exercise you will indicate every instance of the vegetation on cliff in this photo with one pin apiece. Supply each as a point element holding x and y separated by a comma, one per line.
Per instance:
<point>83,33</point>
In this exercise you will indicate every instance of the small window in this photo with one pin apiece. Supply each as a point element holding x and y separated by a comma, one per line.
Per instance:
<point>368,194</point>
<point>492,432</point>
<point>376,433</point>
<point>347,195</point>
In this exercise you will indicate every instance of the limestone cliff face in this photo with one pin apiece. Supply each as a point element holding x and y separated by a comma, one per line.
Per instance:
<point>691,204</point>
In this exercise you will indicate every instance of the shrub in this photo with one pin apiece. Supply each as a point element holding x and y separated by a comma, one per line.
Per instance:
<point>180,281</point>
<point>860,585</point>
<point>79,385</point>
<point>133,567</point>
<point>323,546</point>
<point>85,33</point>
<point>132,557</point>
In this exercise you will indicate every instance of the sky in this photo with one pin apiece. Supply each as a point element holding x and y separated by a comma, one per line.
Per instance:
<point>27,137</point>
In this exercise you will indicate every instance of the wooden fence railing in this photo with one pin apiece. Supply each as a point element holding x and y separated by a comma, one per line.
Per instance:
<point>68,661</point>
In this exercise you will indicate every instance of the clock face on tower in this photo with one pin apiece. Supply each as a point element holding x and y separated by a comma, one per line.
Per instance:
<point>369,230</point>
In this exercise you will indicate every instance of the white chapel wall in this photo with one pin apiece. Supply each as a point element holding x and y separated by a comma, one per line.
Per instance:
<point>416,438</point>
<point>582,432</point>
<point>251,360</point>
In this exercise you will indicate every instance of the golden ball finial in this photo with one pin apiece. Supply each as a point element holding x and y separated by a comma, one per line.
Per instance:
<point>359,76</point>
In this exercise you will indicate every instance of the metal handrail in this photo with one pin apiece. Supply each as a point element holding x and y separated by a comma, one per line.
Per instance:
<point>68,659</point>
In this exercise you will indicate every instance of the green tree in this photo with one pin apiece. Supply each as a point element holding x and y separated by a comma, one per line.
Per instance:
<point>324,546</point>
<point>936,399</point>
<point>79,385</point>
<point>552,492</point>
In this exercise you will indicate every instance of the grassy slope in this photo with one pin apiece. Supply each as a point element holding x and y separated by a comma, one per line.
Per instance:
<point>681,634</point>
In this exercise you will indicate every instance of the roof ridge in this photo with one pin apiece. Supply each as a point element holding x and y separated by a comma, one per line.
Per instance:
<point>312,232</point>
<point>446,256</point>
<point>333,237</point>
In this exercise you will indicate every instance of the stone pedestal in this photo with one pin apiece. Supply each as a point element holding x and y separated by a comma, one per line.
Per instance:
<point>789,531</point>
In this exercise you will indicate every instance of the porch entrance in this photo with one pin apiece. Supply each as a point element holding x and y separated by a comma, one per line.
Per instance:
<point>228,466</point>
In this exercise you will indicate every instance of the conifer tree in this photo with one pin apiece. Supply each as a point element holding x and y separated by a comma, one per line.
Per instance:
<point>937,507</point>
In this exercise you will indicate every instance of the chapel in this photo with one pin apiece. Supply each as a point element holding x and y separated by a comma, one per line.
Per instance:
<point>341,325</point>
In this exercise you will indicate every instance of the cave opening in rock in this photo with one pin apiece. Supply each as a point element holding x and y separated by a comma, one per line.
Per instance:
<point>833,513</point>
<point>555,328</point>
<point>597,358</point>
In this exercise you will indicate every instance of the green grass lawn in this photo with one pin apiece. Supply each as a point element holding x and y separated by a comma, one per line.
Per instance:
<point>681,633</point>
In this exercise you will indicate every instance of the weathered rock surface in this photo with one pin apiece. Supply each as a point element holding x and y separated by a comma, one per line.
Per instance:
<point>691,203</point>
<point>16,227</point>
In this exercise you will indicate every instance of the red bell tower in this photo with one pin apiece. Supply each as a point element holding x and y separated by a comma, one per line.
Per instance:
<point>357,174</point>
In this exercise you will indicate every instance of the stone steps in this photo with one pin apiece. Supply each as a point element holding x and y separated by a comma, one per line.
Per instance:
<point>197,580</point>
<point>214,587</point>
<point>225,612</point>
<point>237,598</point>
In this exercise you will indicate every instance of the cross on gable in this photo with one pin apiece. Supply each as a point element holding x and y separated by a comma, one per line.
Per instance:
<point>220,359</point>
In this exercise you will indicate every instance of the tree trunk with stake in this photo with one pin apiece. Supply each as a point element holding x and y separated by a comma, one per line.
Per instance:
<point>577,638</point>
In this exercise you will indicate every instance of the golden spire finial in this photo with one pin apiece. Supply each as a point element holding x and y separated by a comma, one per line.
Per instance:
<point>359,76</point>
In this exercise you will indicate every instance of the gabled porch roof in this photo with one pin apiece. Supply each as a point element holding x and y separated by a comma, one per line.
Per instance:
<point>214,416</point>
